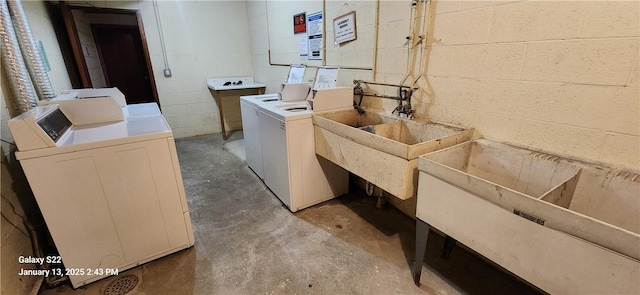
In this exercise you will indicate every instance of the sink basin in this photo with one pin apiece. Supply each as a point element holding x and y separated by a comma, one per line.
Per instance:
<point>381,148</point>
<point>538,215</point>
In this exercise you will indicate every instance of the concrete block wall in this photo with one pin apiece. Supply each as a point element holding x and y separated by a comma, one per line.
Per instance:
<point>559,76</point>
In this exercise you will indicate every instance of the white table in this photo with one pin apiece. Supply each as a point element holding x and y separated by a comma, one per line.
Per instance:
<point>231,83</point>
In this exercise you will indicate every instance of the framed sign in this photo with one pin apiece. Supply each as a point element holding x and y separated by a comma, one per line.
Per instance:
<point>300,23</point>
<point>344,28</point>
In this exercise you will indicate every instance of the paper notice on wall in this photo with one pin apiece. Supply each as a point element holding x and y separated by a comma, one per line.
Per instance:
<point>314,33</point>
<point>304,46</point>
<point>315,48</point>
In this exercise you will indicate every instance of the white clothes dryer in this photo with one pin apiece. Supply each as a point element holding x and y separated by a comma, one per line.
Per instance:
<point>111,194</point>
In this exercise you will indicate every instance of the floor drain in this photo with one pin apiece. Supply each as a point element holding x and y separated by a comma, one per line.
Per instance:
<point>122,285</point>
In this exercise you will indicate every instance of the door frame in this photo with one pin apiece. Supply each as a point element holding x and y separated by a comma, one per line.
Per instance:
<point>77,48</point>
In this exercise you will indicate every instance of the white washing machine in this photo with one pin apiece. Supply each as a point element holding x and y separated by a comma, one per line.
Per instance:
<point>249,106</point>
<point>111,193</point>
<point>293,89</point>
<point>251,128</point>
<point>292,170</point>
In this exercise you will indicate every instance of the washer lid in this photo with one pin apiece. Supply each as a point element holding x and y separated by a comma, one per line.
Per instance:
<point>295,108</point>
<point>288,111</point>
<point>129,128</point>
<point>260,99</point>
<point>90,137</point>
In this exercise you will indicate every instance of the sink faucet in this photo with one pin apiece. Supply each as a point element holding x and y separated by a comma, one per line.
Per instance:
<point>404,94</point>
<point>404,108</point>
<point>357,90</point>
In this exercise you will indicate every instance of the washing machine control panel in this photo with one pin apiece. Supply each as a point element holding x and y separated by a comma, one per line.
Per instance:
<point>55,124</point>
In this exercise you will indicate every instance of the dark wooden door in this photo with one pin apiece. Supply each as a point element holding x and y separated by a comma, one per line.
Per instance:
<point>123,61</point>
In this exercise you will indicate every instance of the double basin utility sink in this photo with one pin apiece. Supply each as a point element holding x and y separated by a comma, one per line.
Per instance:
<point>563,225</point>
<point>381,148</point>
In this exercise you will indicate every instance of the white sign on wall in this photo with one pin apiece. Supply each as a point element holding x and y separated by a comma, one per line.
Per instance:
<point>304,46</point>
<point>344,28</point>
<point>314,33</point>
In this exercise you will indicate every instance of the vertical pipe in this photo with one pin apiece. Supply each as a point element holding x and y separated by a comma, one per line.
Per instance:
<point>411,38</point>
<point>30,51</point>
<point>426,19</point>
<point>324,32</point>
<point>375,48</point>
<point>13,65</point>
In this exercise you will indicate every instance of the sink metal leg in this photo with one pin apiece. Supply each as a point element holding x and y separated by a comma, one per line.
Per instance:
<point>422,234</point>
<point>449,244</point>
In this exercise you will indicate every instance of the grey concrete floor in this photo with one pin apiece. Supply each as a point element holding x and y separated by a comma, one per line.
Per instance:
<point>248,243</point>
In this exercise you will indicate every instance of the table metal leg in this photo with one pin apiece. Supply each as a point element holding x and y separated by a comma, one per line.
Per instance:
<point>220,111</point>
<point>218,98</point>
<point>422,234</point>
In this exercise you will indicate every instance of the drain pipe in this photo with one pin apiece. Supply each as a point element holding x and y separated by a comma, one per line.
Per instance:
<point>13,65</point>
<point>30,51</point>
<point>370,189</point>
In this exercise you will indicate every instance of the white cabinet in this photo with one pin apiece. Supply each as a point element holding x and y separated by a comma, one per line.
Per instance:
<point>251,132</point>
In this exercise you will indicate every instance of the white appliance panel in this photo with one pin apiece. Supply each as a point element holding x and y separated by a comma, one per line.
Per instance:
<point>293,171</point>
<point>275,157</point>
<point>112,207</point>
<point>252,137</point>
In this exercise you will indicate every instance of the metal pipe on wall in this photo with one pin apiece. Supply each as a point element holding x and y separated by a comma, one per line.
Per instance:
<point>30,51</point>
<point>324,32</point>
<point>13,65</point>
<point>424,39</point>
<point>375,43</point>
<point>411,40</point>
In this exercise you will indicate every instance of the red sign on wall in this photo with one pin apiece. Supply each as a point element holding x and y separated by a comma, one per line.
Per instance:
<point>300,23</point>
